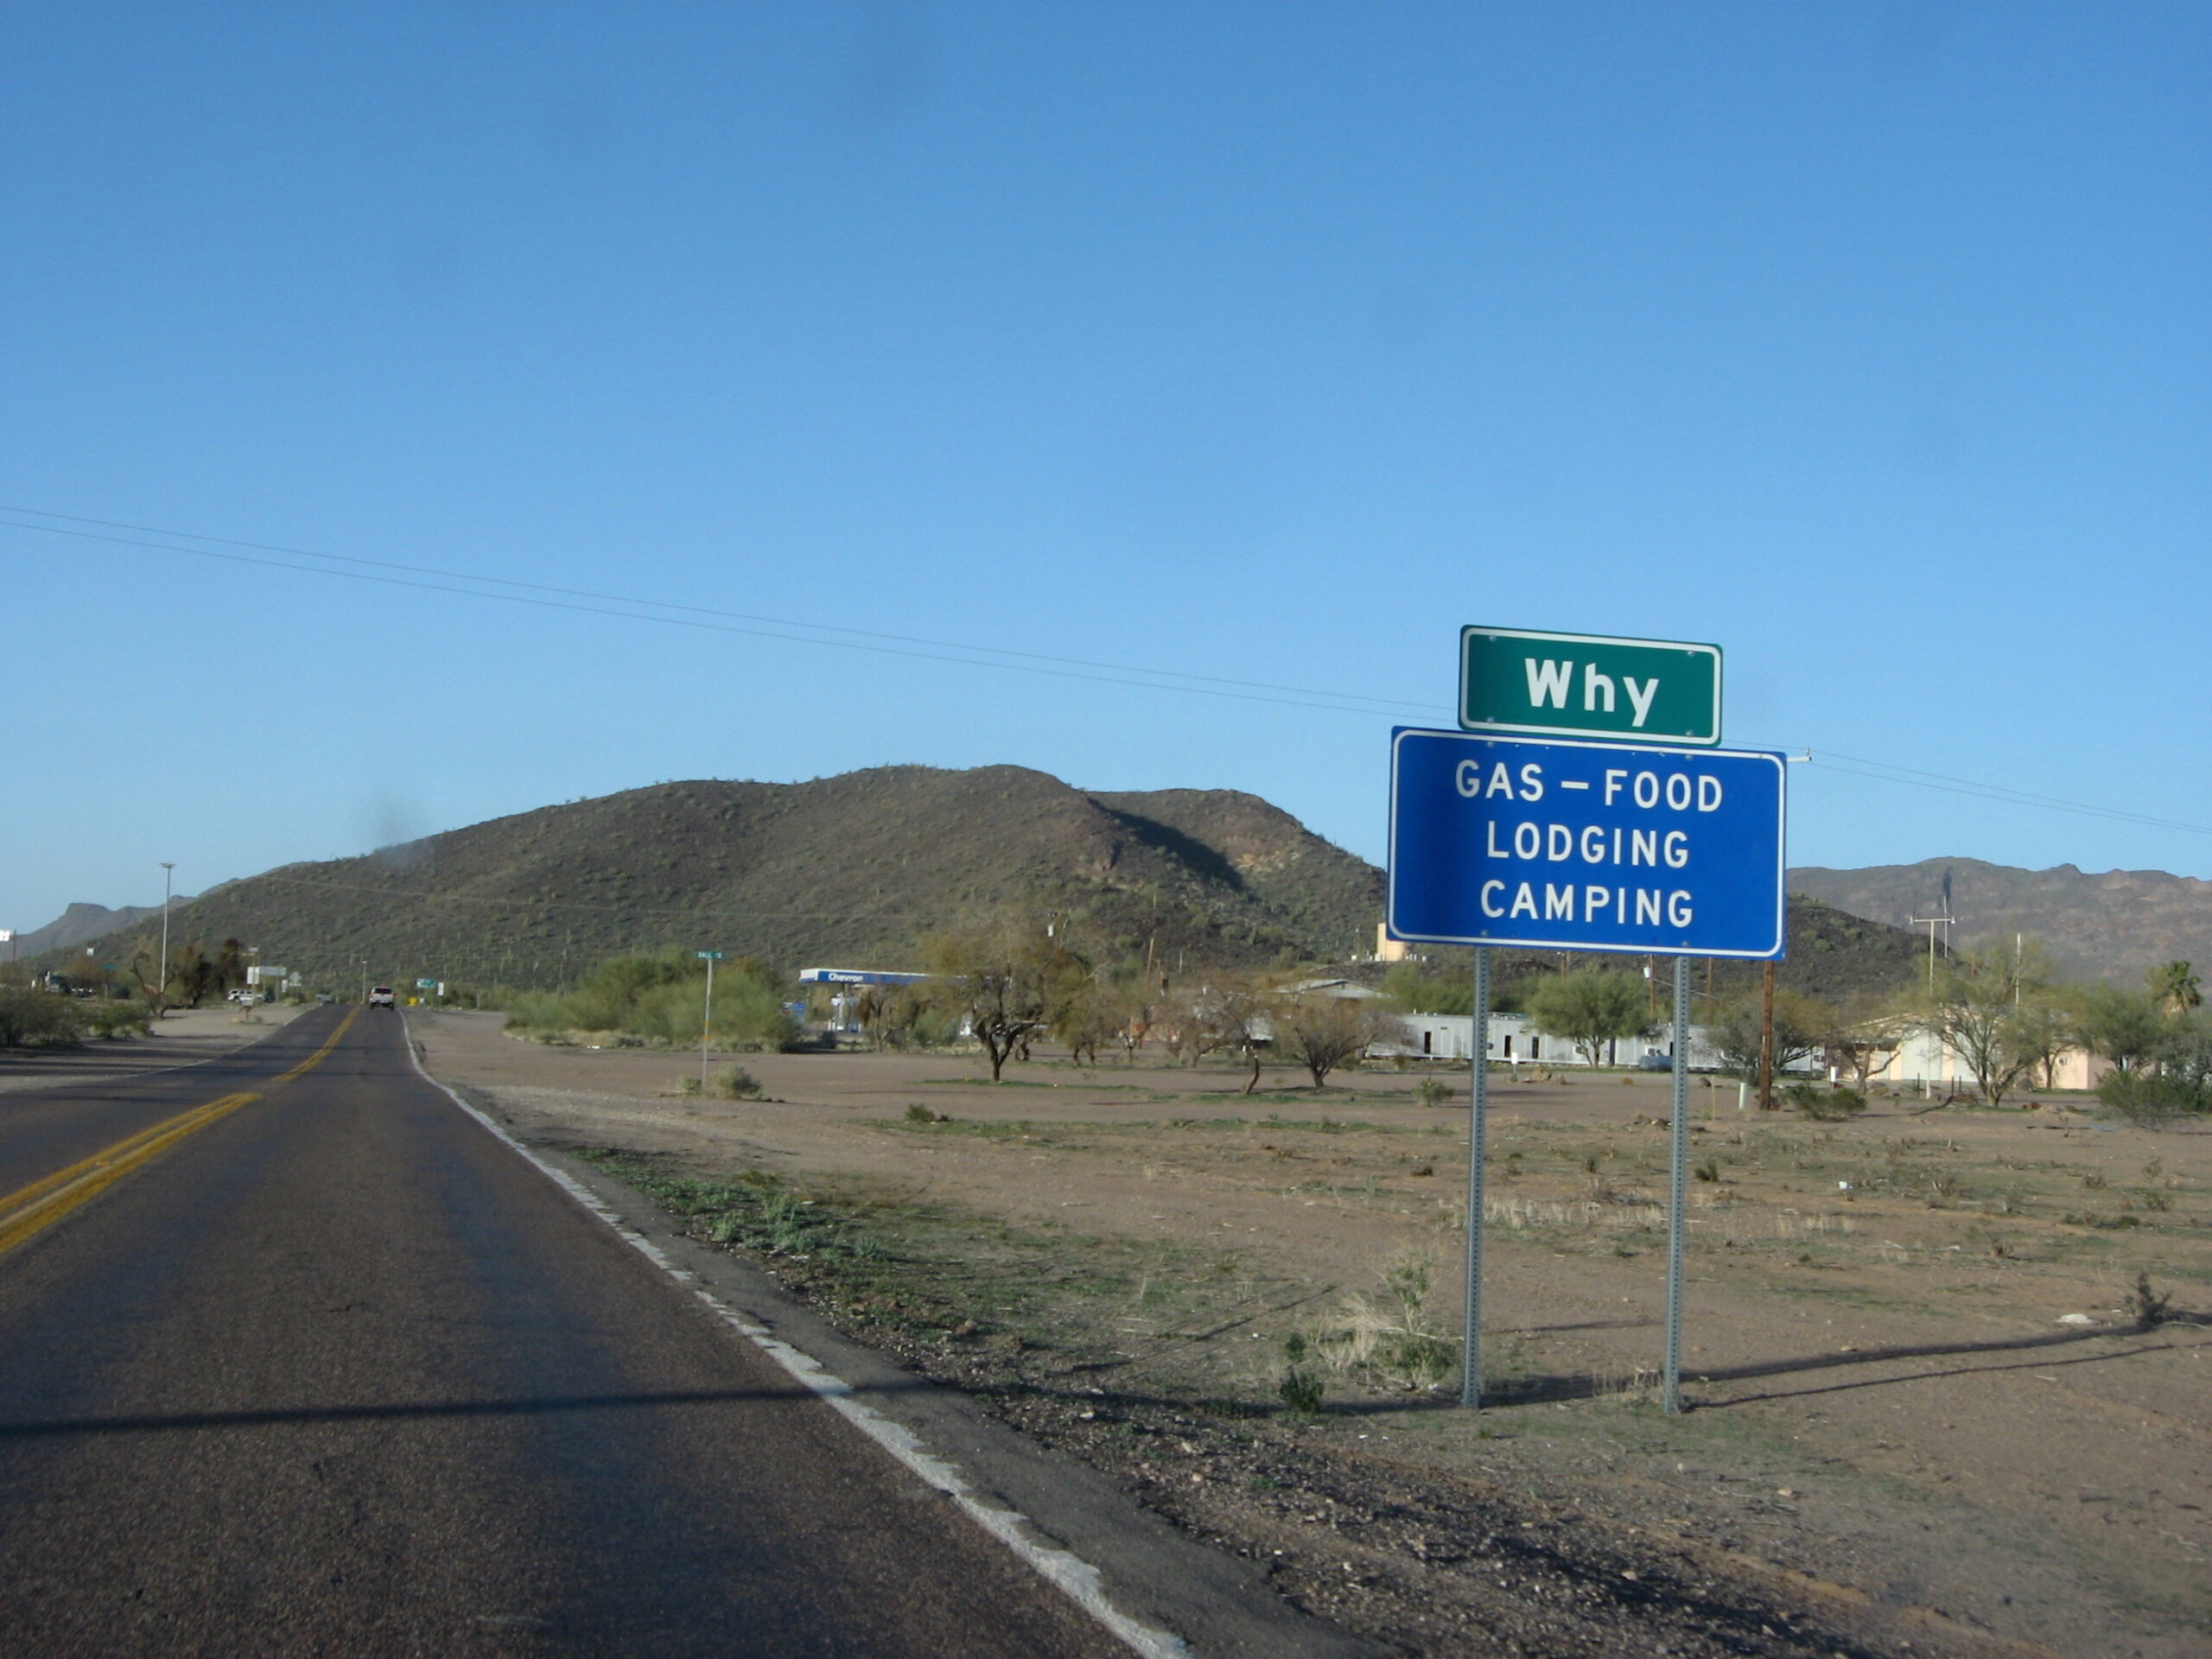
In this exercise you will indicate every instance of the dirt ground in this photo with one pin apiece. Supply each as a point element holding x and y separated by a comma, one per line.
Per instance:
<point>1924,1414</point>
<point>184,1036</point>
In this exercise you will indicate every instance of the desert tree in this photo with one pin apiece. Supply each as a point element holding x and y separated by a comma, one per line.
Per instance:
<point>2128,1028</point>
<point>1322,1033</point>
<point>2044,1030</point>
<point>230,965</point>
<point>1803,1026</point>
<point>1589,1008</point>
<point>1985,1007</point>
<point>1239,1014</point>
<point>1082,1011</point>
<point>996,976</point>
<point>1423,992</point>
<point>1864,1034</point>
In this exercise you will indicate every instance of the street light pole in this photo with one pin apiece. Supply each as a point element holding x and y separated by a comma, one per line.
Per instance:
<point>162,995</point>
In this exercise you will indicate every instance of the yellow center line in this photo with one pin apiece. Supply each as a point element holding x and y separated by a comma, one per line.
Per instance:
<point>31,1209</point>
<point>322,1053</point>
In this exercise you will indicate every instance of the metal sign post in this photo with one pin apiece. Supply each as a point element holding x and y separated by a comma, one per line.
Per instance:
<point>1671,1393</point>
<point>707,1023</point>
<point>1471,1370</point>
<point>1633,849</point>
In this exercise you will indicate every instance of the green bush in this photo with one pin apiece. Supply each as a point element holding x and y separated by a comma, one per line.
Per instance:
<point>39,1018</point>
<point>738,1083</point>
<point>117,1020</point>
<point>1432,1091</point>
<point>1824,1105</point>
<point>1301,1387</point>
<point>661,1000</point>
<point>2150,1098</point>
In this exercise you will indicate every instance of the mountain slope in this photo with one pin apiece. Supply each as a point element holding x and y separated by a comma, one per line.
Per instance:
<point>2109,927</point>
<point>850,869</point>
<point>82,923</point>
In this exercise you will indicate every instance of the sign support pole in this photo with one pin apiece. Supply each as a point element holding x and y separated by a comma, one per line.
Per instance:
<point>707,1026</point>
<point>1676,1223</point>
<point>1470,1375</point>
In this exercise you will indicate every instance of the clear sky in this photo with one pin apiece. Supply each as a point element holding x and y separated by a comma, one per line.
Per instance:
<point>1270,342</point>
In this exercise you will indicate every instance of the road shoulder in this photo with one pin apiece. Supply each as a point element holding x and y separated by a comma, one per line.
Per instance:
<point>1146,1569</point>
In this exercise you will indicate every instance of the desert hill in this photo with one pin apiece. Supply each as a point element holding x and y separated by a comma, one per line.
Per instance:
<point>852,871</point>
<point>81,924</point>
<point>2111,927</point>
<point>849,870</point>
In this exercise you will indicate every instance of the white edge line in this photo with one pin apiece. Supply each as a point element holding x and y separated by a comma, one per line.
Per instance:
<point>1067,1572</point>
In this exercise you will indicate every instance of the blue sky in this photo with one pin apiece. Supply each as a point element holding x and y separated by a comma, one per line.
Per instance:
<point>1270,342</point>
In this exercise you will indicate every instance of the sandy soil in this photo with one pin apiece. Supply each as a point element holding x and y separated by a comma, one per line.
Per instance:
<point>1890,1416</point>
<point>183,1036</point>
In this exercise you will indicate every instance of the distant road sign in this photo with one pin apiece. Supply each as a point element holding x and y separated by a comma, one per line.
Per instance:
<point>1585,846</point>
<point>1515,680</point>
<point>708,956</point>
<point>420,984</point>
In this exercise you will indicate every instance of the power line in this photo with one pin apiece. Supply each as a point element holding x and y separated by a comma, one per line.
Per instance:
<point>2001,794</point>
<point>890,643</point>
<point>544,596</point>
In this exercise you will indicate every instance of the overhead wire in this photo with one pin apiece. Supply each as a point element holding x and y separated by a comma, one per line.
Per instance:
<point>894,644</point>
<point>797,630</point>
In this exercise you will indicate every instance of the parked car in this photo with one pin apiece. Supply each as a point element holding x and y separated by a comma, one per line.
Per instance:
<point>1653,1060</point>
<point>381,997</point>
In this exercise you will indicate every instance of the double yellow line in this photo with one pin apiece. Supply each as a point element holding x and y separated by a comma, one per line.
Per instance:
<point>30,1210</point>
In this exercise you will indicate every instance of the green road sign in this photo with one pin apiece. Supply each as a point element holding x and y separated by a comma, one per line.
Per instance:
<point>708,956</point>
<point>1587,685</point>
<point>426,984</point>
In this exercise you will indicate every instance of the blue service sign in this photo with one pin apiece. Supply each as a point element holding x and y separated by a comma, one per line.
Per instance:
<point>1585,846</point>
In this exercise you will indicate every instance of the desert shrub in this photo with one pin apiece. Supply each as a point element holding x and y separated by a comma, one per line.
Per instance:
<point>536,1011</point>
<point>2147,1306</point>
<point>1432,1091</point>
<point>39,1018</point>
<point>661,1000</point>
<point>738,1083</point>
<point>1387,1340</point>
<point>2148,1099</point>
<point>1301,1387</point>
<point>1824,1105</point>
<point>117,1020</point>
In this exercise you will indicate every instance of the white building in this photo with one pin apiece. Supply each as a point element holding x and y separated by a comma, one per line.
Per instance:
<point>1514,1039</point>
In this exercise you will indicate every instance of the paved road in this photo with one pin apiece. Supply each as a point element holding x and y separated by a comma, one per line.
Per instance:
<point>333,1371</point>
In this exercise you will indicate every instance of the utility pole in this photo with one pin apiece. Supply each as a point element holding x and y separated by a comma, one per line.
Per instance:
<point>162,995</point>
<point>1931,923</point>
<point>1766,1037</point>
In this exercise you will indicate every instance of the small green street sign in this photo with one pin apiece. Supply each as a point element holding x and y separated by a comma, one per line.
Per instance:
<point>710,955</point>
<point>1520,680</point>
<point>426,984</point>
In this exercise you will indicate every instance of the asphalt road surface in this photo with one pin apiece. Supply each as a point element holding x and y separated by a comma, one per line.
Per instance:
<point>295,1358</point>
